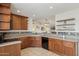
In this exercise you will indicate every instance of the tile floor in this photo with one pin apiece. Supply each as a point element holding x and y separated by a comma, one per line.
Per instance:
<point>35,51</point>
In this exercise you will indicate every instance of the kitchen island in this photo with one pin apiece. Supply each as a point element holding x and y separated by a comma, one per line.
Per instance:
<point>10,48</point>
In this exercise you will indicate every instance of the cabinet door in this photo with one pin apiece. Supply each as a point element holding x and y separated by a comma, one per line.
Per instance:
<point>37,42</point>
<point>24,23</point>
<point>4,26</point>
<point>11,50</point>
<point>69,48</point>
<point>51,44</point>
<point>25,42</point>
<point>2,51</point>
<point>4,18</point>
<point>16,22</point>
<point>4,10</point>
<point>58,46</point>
<point>6,4</point>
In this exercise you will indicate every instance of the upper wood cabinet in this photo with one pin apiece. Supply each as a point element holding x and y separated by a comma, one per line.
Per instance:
<point>5,16</point>
<point>18,22</point>
<point>24,23</point>
<point>5,10</point>
<point>8,5</point>
<point>4,26</point>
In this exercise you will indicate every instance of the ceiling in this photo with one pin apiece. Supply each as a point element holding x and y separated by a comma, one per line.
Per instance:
<point>42,10</point>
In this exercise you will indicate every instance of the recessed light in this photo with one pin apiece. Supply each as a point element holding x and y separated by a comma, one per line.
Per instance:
<point>18,11</point>
<point>51,7</point>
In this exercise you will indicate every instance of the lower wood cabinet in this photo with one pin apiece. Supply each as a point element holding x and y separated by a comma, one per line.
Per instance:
<point>69,48</point>
<point>62,47</point>
<point>31,41</point>
<point>24,42</point>
<point>58,46</point>
<point>37,42</point>
<point>11,50</point>
<point>51,44</point>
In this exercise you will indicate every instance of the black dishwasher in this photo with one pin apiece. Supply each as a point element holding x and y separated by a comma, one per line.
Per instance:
<point>45,42</point>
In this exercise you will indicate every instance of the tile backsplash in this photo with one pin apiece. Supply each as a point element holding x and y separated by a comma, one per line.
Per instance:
<point>69,35</point>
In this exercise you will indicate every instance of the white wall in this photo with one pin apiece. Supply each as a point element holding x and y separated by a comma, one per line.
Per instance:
<point>30,24</point>
<point>70,14</point>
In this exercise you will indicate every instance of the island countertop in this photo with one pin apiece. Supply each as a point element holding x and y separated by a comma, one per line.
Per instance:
<point>9,43</point>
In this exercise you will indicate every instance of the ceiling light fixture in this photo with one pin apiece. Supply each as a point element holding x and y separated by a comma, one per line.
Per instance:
<point>51,7</point>
<point>18,11</point>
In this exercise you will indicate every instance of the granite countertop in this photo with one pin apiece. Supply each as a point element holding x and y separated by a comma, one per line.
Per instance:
<point>9,43</point>
<point>11,36</point>
<point>60,37</point>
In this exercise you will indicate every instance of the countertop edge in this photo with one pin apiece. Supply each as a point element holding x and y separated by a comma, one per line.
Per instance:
<point>9,43</point>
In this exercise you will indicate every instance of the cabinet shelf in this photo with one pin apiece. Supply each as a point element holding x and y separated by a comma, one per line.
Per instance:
<point>66,20</point>
<point>65,25</point>
<point>66,29</point>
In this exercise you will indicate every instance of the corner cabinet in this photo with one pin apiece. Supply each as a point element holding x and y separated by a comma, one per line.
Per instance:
<point>62,47</point>
<point>31,41</point>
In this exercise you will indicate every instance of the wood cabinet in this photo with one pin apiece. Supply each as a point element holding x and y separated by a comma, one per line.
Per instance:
<point>24,23</point>
<point>51,44</point>
<point>62,47</point>
<point>69,48</point>
<point>19,22</point>
<point>16,22</point>
<point>4,10</point>
<point>8,5</point>
<point>26,42</point>
<point>31,42</point>
<point>5,16</point>
<point>10,50</point>
<point>37,42</point>
<point>58,46</point>
<point>4,26</point>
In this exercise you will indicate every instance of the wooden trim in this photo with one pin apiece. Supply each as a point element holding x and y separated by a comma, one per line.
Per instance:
<point>18,15</point>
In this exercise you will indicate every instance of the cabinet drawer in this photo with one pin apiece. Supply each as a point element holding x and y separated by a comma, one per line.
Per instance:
<point>4,26</point>
<point>69,44</point>
<point>4,10</point>
<point>5,18</point>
